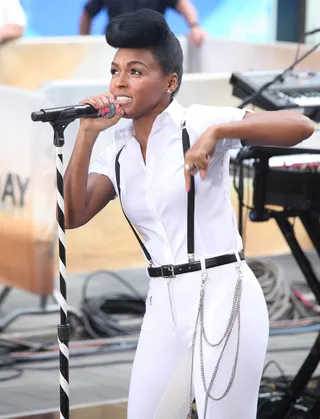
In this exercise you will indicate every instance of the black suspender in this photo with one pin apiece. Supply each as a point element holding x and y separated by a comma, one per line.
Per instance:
<point>190,209</point>
<point>191,200</point>
<point>143,247</point>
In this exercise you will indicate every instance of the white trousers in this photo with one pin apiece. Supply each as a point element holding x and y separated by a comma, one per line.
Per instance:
<point>160,380</point>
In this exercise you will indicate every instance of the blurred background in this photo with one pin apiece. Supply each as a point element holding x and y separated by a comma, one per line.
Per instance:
<point>256,21</point>
<point>220,18</point>
<point>237,49</point>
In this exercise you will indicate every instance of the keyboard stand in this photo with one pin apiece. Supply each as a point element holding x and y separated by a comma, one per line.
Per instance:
<point>310,221</point>
<point>311,362</point>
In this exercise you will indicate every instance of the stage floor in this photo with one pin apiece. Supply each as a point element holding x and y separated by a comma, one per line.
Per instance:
<point>100,379</point>
<point>115,410</point>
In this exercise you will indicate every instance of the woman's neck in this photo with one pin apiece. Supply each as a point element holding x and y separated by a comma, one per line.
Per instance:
<point>142,129</point>
<point>143,126</point>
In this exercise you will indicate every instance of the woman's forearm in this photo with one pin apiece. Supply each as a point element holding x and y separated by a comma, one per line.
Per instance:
<point>280,128</point>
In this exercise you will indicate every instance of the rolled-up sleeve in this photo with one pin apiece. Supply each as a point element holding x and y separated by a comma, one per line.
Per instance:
<point>201,117</point>
<point>93,7</point>
<point>13,13</point>
<point>172,4</point>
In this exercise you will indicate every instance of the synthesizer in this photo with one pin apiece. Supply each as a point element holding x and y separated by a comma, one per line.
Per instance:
<point>296,89</point>
<point>285,176</point>
<point>294,187</point>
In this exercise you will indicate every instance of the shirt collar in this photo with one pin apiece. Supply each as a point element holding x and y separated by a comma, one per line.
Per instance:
<point>174,111</point>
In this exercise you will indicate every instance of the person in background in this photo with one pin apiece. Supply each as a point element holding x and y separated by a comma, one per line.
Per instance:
<point>12,20</point>
<point>117,7</point>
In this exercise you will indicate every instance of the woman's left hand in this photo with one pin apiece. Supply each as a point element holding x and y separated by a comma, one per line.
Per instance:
<point>198,157</point>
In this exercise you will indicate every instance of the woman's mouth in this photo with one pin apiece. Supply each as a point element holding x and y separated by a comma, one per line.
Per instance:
<point>123,100</point>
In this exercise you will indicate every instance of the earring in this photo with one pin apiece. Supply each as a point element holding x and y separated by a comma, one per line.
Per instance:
<point>169,91</point>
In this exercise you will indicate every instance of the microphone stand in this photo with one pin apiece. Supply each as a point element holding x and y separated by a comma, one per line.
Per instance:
<point>66,116</point>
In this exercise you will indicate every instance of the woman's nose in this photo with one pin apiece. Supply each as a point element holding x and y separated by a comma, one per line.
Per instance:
<point>121,82</point>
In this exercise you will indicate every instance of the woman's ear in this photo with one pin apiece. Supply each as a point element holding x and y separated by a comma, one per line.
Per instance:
<point>173,82</point>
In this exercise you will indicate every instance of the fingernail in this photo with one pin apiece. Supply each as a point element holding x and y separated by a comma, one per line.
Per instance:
<point>111,100</point>
<point>118,107</point>
<point>102,111</point>
<point>107,110</point>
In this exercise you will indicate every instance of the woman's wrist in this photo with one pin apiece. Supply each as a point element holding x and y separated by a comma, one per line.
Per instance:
<point>214,133</point>
<point>88,134</point>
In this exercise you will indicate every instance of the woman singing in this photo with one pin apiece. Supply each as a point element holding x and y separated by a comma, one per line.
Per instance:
<point>205,330</point>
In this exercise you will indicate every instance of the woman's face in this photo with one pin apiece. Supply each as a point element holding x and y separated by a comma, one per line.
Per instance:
<point>138,83</point>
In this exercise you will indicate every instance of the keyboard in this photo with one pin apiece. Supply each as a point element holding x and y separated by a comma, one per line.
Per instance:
<point>294,90</point>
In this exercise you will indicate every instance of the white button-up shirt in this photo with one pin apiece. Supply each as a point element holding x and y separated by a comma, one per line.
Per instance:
<point>153,193</point>
<point>11,12</point>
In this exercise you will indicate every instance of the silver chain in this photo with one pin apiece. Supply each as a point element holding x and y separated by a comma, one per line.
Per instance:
<point>234,315</point>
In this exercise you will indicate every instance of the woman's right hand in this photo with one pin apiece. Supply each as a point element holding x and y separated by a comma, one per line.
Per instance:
<point>102,103</point>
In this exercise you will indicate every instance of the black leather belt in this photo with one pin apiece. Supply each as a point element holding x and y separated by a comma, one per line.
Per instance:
<point>170,271</point>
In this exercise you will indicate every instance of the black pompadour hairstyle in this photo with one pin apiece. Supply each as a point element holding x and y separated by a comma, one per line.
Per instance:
<point>147,28</point>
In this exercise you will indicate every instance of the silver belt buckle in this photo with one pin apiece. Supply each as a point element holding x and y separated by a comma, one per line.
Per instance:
<point>170,269</point>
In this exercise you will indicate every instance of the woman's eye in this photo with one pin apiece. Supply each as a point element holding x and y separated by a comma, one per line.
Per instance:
<point>135,72</point>
<point>113,71</point>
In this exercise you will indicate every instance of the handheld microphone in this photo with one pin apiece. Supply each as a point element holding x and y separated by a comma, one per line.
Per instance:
<point>77,111</point>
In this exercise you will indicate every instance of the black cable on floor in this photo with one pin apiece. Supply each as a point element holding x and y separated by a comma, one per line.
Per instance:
<point>17,372</point>
<point>109,315</point>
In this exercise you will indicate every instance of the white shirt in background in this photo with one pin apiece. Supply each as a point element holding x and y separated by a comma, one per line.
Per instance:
<point>153,193</point>
<point>11,12</point>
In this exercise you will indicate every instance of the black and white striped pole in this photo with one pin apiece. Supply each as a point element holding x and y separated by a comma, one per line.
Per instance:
<point>64,327</point>
<point>60,118</point>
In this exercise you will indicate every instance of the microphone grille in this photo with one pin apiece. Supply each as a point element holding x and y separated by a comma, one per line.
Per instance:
<point>112,111</point>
